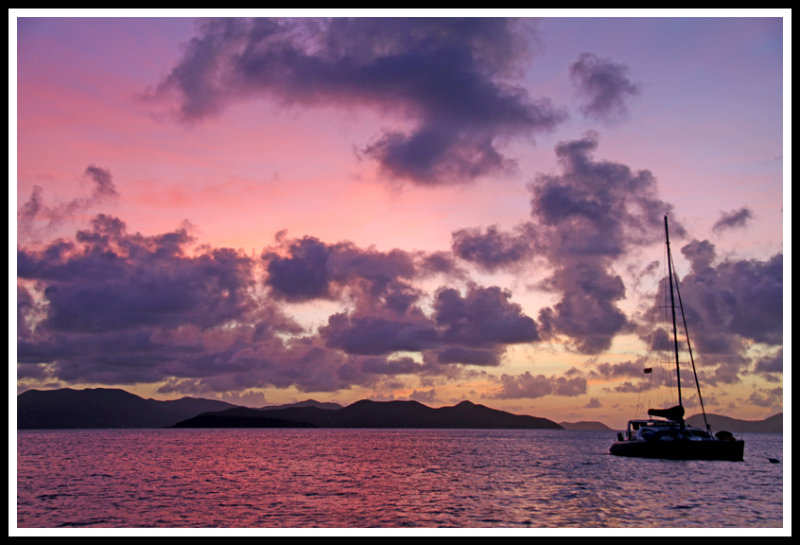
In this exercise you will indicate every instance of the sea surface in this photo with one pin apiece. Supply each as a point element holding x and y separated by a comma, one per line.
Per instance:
<point>394,479</point>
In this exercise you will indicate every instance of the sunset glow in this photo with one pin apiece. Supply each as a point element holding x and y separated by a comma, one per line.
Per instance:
<point>280,208</point>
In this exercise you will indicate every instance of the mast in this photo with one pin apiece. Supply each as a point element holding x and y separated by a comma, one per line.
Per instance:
<point>691,356</point>
<point>672,306</point>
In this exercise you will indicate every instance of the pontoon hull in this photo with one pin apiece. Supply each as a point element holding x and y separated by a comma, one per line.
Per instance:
<point>681,450</point>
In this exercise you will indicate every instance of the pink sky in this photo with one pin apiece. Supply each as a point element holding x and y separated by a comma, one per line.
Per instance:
<point>398,210</point>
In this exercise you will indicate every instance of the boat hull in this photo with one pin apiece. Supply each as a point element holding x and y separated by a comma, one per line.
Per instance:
<point>681,450</point>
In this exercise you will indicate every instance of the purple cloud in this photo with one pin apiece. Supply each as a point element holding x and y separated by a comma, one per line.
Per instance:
<point>469,329</point>
<point>733,219</point>
<point>493,249</point>
<point>114,281</point>
<point>121,308</point>
<point>483,317</point>
<point>770,364</point>
<point>303,275</point>
<point>375,335</point>
<point>588,216</point>
<point>598,208</point>
<point>531,386</point>
<point>308,269</point>
<point>445,75</point>
<point>728,305</point>
<point>604,85</point>
<point>469,356</point>
<point>582,221</point>
<point>734,299</point>
<point>34,215</point>
<point>615,370</point>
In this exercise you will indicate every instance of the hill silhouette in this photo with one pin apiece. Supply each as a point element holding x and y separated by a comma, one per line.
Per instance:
<point>773,424</point>
<point>584,425</point>
<point>306,403</point>
<point>116,408</point>
<point>104,408</point>
<point>372,414</point>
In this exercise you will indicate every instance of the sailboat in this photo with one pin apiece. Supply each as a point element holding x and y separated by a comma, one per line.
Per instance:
<point>666,434</point>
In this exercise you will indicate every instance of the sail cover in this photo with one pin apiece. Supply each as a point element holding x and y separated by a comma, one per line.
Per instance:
<point>673,413</point>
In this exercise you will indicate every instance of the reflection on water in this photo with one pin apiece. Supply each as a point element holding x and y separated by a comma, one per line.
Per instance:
<point>316,478</point>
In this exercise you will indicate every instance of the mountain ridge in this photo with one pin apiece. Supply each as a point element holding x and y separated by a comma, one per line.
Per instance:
<point>771,424</point>
<point>67,408</point>
<point>366,413</point>
<point>307,403</point>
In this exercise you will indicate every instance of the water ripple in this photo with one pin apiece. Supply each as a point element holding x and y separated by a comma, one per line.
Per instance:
<point>380,479</point>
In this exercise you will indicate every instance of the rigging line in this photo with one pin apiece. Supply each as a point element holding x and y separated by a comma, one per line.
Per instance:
<point>691,356</point>
<point>645,393</point>
<point>653,387</point>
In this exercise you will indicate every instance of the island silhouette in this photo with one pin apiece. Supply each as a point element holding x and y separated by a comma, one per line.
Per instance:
<point>117,408</point>
<point>68,408</point>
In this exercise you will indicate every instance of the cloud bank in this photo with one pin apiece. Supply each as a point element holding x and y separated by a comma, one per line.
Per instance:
<point>114,307</point>
<point>110,306</point>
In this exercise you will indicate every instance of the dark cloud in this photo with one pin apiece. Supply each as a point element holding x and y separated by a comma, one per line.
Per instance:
<point>473,328</point>
<point>25,308</point>
<point>32,208</point>
<point>308,269</point>
<point>104,185</point>
<point>770,364</point>
<point>729,306</point>
<point>732,300</point>
<point>531,386</point>
<point>303,275</point>
<point>772,397</point>
<point>588,216</point>
<point>383,366</point>
<point>443,263</point>
<point>593,403</point>
<point>583,220</point>
<point>493,249</point>
<point>121,308</point>
<point>375,335</point>
<point>701,254</point>
<point>115,281</point>
<point>733,219</point>
<point>597,208</point>
<point>35,217</point>
<point>482,317</point>
<point>616,370</point>
<point>469,356</point>
<point>587,312</point>
<point>301,363</point>
<point>449,77</point>
<point>604,85</point>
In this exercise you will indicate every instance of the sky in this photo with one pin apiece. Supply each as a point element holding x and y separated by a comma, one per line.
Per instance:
<point>266,207</point>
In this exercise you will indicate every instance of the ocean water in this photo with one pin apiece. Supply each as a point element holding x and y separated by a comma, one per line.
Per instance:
<point>394,479</point>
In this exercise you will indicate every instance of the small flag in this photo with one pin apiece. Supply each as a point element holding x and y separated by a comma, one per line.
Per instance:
<point>648,370</point>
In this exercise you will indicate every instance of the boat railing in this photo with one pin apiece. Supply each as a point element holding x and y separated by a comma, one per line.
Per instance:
<point>644,427</point>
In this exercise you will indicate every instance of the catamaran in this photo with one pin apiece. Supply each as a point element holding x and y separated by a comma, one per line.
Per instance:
<point>666,434</point>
